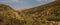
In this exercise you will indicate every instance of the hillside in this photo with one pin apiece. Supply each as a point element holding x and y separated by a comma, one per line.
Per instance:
<point>48,14</point>
<point>9,16</point>
<point>43,15</point>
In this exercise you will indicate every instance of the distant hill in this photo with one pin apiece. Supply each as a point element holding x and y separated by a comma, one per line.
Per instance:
<point>20,9</point>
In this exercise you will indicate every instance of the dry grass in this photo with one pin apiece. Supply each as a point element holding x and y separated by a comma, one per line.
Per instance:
<point>35,16</point>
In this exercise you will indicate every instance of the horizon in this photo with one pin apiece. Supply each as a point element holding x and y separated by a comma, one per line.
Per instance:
<point>25,3</point>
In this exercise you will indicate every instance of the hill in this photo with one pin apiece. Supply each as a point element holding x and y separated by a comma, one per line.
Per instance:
<point>43,15</point>
<point>9,16</point>
<point>48,14</point>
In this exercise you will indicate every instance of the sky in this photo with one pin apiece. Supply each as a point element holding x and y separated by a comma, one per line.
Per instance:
<point>24,3</point>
